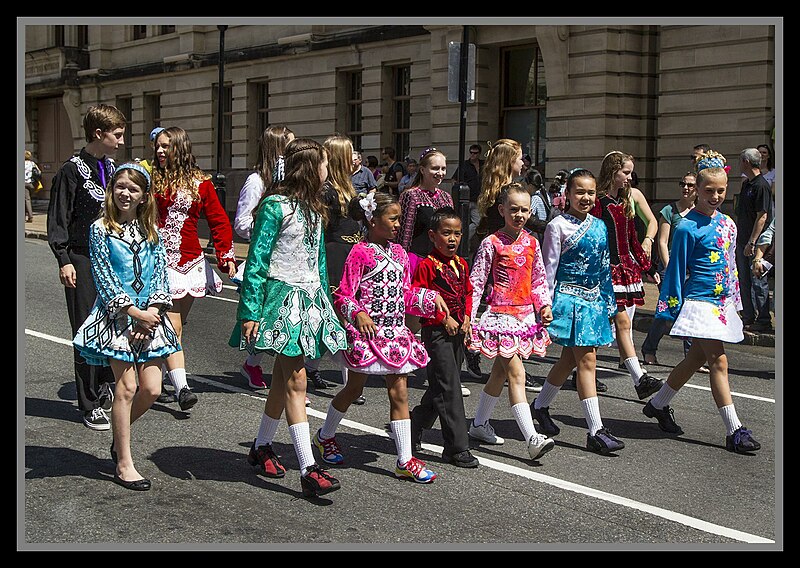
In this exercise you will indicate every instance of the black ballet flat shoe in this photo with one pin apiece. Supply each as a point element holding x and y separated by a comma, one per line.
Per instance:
<point>138,485</point>
<point>114,456</point>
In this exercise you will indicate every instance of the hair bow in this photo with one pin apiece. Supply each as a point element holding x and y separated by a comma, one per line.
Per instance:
<point>368,205</point>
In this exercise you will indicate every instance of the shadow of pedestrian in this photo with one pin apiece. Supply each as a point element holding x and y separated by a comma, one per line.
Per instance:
<point>44,463</point>
<point>45,408</point>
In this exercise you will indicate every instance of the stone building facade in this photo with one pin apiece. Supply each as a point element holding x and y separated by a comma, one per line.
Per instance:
<point>569,93</point>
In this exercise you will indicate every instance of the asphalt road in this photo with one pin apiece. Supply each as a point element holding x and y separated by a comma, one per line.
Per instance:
<point>660,492</point>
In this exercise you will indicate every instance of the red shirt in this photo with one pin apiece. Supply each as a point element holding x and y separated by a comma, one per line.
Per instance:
<point>450,277</point>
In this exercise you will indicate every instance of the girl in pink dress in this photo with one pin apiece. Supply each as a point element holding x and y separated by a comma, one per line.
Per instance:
<point>373,297</point>
<point>513,325</point>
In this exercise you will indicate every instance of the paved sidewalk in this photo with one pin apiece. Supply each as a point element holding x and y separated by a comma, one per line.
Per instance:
<point>642,320</point>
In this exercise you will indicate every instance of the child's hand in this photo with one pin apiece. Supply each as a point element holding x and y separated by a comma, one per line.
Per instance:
<point>465,327</point>
<point>231,267</point>
<point>365,326</point>
<point>441,305</point>
<point>547,315</point>
<point>647,247</point>
<point>450,326</point>
<point>468,333</point>
<point>147,319</point>
<point>249,330</point>
<point>67,275</point>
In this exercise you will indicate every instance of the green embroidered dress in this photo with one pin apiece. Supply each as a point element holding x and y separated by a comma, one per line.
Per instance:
<point>285,286</point>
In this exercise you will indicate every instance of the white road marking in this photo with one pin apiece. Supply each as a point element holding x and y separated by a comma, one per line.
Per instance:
<point>673,516</point>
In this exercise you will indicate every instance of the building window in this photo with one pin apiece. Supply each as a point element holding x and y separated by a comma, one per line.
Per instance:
<point>164,30</point>
<point>401,111</point>
<point>151,114</point>
<point>523,111</point>
<point>257,116</point>
<point>226,156</point>
<point>354,104</point>
<point>125,105</point>
<point>139,32</point>
<point>58,36</point>
<point>83,37</point>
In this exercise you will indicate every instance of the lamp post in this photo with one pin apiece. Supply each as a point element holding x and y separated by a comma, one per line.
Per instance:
<point>219,177</point>
<point>463,189</point>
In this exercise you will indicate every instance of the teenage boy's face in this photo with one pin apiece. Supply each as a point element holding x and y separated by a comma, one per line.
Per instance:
<point>111,140</point>
<point>446,237</point>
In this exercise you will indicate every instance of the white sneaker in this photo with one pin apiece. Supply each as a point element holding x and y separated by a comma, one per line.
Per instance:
<point>485,433</point>
<point>465,391</point>
<point>539,444</point>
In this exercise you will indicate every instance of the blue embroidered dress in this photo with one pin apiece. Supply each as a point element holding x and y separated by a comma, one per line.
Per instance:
<point>700,291</point>
<point>127,270</point>
<point>285,285</point>
<point>577,264</point>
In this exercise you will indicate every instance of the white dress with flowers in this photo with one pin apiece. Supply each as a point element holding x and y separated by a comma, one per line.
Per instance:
<point>700,292</point>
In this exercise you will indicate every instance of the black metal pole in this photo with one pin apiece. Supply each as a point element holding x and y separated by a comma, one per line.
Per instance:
<point>219,177</point>
<point>463,189</point>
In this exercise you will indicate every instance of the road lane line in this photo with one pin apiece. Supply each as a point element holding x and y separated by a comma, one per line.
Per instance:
<point>666,514</point>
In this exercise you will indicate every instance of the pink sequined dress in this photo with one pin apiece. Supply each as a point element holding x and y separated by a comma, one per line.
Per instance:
<point>376,280</point>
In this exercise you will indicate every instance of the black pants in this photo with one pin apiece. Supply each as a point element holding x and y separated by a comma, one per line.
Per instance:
<point>80,300</point>
<point>443,397</point>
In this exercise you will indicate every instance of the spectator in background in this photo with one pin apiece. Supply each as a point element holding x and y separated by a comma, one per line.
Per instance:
<point>363,179</point>
<point>411,171</point>
<point>33,177</point>
<point>472,168</point>
<point>698,151</point>
<point>753,215</point>
<point>395,171</point>
<point>767,163</point>
<point>372,165</point>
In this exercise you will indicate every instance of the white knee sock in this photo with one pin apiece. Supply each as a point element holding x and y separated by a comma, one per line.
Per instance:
<point>522,414</point>
<point>254,360</point>
<point>730,418</point>
<point>267,430</point>
<point>402,439</point>
<point>545,398</point>
<point>632,364</point>
<point>631,311</point>
<point>485,408</point>
<point>178,379</point>
<point>591,410</point>
<point>332,420</point>
<point>344,375</point>
<point>301,439</point>
<point>663,397</point>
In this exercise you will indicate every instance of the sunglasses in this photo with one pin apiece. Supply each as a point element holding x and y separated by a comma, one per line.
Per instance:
<point>684,184</point>
<point>473,152</point>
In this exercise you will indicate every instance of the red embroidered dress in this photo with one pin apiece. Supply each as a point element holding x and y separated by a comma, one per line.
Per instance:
<point>187,268</point>
<point>628,259</point>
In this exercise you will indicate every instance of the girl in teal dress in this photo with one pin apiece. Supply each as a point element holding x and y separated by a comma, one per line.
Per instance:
<point>284,306</point>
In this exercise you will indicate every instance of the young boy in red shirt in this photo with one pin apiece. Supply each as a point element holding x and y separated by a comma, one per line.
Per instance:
<point>447,273</point>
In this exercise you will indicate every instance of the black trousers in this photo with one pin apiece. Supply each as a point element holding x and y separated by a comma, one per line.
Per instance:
<point>80,300</point>
<point>443,398</point>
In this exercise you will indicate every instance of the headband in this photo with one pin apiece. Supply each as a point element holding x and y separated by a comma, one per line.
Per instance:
<point>134,166</point>
<point>710,159</point>
<point>613,152</point>
<point>427,151</point>
<point>368,205</point>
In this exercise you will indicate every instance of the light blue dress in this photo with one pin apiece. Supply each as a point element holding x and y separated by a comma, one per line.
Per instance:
<point>127,270</point>
<point>577,264</point>
<point>700,292</point>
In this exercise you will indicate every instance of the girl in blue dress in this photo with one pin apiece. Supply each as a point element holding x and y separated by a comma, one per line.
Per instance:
<point>127,327</point>
<point>703,305</point>
<point>577,264</point>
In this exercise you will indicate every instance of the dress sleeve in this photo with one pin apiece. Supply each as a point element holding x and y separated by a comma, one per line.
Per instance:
<point>59,213</point>
<point>540,291</point>
<point>249,196</point>
<point>344,297</point>
<point>423,278</point>
<point>218,222</point>
<point>322,262</point>
<point>268,224</point>
<point>670,300</point>
<point>481,268</point>
<point>106,281</point>
<point>467,290</point>
<point>551,252</point>
<point>733,272</point>
<point>408,211</point>
<point>159,284</point>
<point>418,301</point>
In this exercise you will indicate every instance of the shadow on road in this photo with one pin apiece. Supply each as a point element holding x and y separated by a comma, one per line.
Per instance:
<point>44,462</point>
